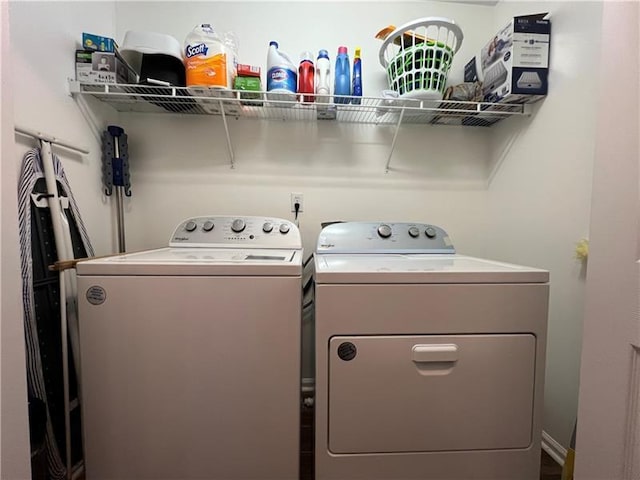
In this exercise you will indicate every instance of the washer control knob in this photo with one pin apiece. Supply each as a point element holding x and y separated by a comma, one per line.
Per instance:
<point>414,232</point>
<point>190,226</point>
<point>238,225</point>
<point>384,230</point>
<point>208,226</point>
<point>267,227</point>
<point>430,232</point>
<point>284,228</point>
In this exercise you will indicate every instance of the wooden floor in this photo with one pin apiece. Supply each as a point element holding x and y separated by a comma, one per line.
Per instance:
<point>549,469</point>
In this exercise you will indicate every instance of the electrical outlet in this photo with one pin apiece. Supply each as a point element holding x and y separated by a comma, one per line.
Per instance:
<point>296,198</point>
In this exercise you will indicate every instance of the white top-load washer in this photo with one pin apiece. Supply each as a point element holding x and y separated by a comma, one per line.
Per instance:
<point>429,364</point>
<point>191,354</point>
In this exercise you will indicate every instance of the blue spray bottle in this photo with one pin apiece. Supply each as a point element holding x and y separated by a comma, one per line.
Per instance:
<point>342,85</point>
<point>357,78</point>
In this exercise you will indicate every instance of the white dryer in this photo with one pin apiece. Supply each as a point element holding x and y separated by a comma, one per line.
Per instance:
<point>429,364</point>
<point>191,354</point>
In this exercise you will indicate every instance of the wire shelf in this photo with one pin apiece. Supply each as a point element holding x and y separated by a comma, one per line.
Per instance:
<point>233,103</point>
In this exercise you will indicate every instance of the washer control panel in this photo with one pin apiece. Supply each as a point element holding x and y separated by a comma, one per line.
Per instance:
<point>228,231</point>
<point>383,237</point>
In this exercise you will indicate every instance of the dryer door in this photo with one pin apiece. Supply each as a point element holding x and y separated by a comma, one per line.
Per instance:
<point>430,393</point>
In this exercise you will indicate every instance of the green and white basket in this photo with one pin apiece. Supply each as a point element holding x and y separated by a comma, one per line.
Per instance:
<point>417,57</point>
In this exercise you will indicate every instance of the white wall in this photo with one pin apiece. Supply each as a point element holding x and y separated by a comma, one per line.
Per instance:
<point>170,184</point>
<point>42,101</point>
<point>539,198</point>
<point>611,310</point>
<point>14,432</point>
<point>533,212</point>
<point>180,166</point>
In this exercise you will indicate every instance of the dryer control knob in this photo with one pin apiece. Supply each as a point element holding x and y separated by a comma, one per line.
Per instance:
<point>414,232</point>
<point>284,228</point>
<point>430,232</point>
<point>208,226</point>
<point>267,227</point>
<point>384,230</point>
<point>238,225</point>
<point>190,226</point>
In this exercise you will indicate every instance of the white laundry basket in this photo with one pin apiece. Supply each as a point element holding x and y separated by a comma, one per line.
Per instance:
<point>417,57</point>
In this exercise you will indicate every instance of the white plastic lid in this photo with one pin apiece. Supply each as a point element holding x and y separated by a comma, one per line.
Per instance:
<point>137,43</point>
<point>306,56</point>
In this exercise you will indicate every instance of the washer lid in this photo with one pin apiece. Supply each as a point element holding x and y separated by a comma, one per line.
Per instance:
<point>199,262</point>
<point>419,268</point>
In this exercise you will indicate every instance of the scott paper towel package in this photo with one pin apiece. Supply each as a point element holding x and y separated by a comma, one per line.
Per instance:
<point>205,58</point>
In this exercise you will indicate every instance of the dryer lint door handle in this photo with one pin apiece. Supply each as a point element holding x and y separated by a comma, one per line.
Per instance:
<point>435,353</point>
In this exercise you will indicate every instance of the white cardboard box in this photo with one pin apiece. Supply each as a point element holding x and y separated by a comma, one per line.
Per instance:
<point>103,67</point>
<point>514,64</point>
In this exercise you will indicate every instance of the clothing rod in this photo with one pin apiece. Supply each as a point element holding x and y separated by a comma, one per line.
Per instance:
<point>53,140</point>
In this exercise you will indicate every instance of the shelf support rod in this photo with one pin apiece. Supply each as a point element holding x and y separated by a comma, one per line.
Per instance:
<point>393,142</point>
<point>226,131</point>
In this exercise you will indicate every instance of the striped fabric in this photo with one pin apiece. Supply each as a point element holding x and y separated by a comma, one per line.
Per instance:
<point>31,171</point>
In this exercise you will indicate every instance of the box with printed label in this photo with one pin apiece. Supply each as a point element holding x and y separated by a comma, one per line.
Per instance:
<point>98,42</point>
<point>251,89</point>
<point>248,70</point>
<point>514,65</point>
<point>103,67</point>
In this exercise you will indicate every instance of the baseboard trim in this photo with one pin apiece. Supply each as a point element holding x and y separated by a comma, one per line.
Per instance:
<point>553,448</point>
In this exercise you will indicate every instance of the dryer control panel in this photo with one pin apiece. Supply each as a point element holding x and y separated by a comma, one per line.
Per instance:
<point>228,231</point>
<point>383,237</point>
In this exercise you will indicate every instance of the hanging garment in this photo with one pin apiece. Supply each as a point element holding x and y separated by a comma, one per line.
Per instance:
<point>41,302</point>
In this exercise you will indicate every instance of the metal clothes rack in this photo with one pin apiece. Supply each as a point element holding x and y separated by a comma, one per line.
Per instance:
<point>68,288</point>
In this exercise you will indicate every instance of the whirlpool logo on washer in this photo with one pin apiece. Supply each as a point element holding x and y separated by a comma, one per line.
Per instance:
<point>96,295</point>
